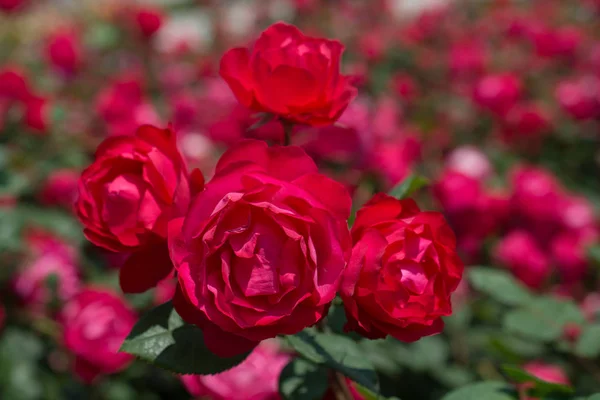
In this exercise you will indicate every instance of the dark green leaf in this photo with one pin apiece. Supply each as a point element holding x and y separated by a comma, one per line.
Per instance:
<point>337,352</point>
<point>483,391</point>
<point>408,186</point>
<point>162,338</point>
<point>588,344</point>
<point>499,285</point>
<point>543,318</point>
<point>303,380</point>
<point>541,388</point>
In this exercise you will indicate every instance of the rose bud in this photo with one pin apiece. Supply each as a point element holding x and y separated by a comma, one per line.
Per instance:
<point>13,85</point>
<point>128,195</point>
<point>519,252</point>
<point>60,188</point>
<point>526,122</point>
<point>402,271</point>
<point>547,372</point>
<point>308,68</point>
<point>261,251</point>
<point>37,114</point>
<point>498,93</point>
<point>63,51</point>
<point>148,20</point>
<point>580,98</point>
<point>95,323</point>
<point>52,266</point>
<point>256,378</point>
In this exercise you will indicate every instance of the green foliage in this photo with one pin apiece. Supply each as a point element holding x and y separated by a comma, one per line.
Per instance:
<point>162,338</point>
<point>337,352</point>
<point>588,344</point>
<point>483,391</point>
<point>543,318</point>
<point>499,285</point>
<point>19,371</point>
<point>303,380</point>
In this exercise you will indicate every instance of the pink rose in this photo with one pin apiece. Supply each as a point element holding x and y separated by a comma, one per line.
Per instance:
<point>95,323</point>
<point>262,248</point>
<point>50,258</point>
<point>498,93</point>
<point>256,378</point>
<point>60,188</point>
<point>519,252</point>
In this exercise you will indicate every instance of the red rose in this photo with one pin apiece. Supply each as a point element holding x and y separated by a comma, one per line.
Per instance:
<point>580,97</point>
<point>63,50</point>
<point>520,252</point>
<point>294,76</point>
<point>402,271</point>
<point>37,114</point>
<point>262,248</point>
<point>49,257</point>
<point>256,378</point>
<point>149,21</point>
<point>498,93</point>
<point>95,323</point>
<point>127,197</point>
<point>60,188</point>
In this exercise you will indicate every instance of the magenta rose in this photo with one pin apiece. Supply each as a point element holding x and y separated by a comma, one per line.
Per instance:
<point>256,378</point>
<point>95,323</point>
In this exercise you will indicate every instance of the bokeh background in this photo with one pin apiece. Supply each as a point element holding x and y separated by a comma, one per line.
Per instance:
<point>495,102</point>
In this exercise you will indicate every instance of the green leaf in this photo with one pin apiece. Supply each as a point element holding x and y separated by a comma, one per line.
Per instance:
<point>337,352</point>
<point>499,285</point>
<point>19,372</point>
<point>408,186</point>
<point>303,380</point>
<point>588,344</point>
<point>162,338</point>
<point>594,254</point>
<point>483,391</point>
<point>543,318</point>
<point>541,388</point>
<point>594,397</point>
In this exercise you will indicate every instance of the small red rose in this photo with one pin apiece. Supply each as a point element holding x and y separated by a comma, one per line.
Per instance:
<point>294,76</point>
<point>402,271</point>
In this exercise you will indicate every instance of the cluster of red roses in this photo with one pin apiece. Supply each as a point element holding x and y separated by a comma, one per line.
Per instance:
<point>263,248</point>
